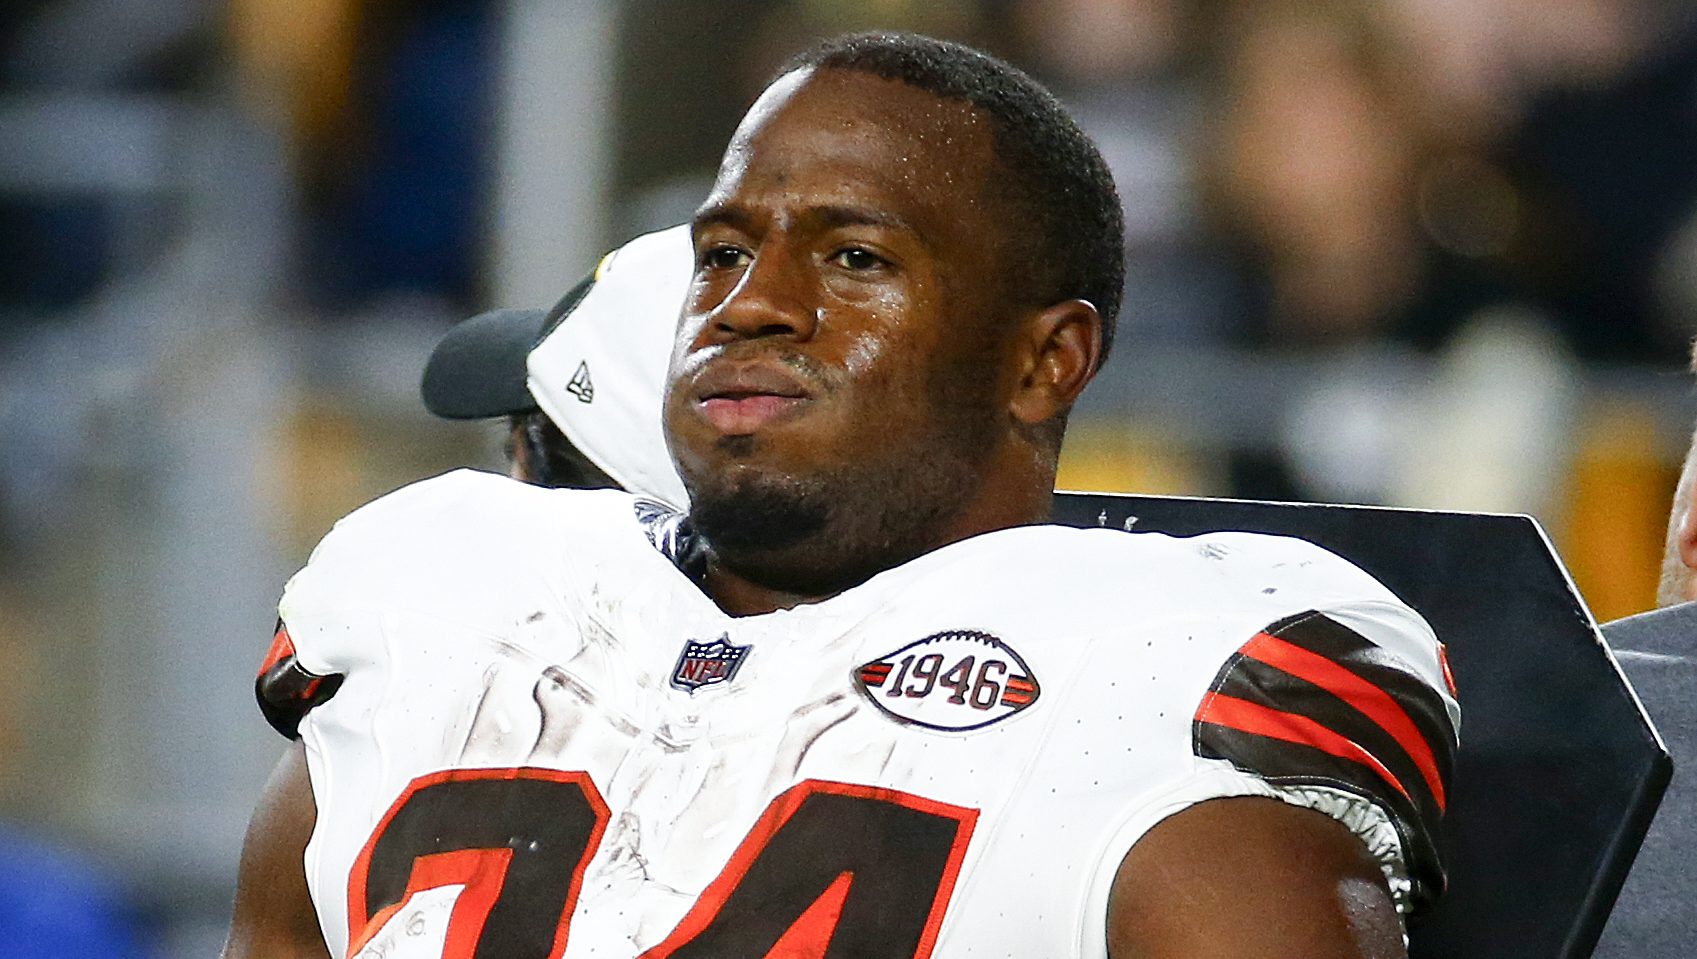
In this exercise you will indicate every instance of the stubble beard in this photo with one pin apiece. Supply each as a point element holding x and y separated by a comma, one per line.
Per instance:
<point>822,533</point>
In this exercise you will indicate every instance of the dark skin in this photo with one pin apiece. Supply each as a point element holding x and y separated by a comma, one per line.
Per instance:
<point>842,301</point>
<point>842,256</point>
<point>853,224</point>
<point>274,916</point>
<point>537,452</point>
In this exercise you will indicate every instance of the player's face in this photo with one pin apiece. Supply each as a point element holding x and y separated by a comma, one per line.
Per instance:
<point>840,341</point>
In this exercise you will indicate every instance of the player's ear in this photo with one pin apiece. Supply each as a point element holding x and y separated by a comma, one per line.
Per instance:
<point>1679,561</point>
<point>1062,345</point>
<point>1685,526</point>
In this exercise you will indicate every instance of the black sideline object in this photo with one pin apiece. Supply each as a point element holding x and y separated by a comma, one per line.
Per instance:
<point>1559,771</point>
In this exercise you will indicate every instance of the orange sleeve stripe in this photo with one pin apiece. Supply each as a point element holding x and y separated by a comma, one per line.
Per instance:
<point>282,647</point>
<point>1244,716</point>
<point>1373,702</point>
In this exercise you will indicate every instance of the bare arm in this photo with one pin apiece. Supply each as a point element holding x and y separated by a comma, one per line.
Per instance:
<point>1251,877</point>
<point>274,917</point>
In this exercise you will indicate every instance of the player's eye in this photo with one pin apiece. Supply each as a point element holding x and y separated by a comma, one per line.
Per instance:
<point>857,259</point>
<point>722,256</point>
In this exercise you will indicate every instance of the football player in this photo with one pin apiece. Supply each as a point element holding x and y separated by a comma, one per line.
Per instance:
<point>857,700</point>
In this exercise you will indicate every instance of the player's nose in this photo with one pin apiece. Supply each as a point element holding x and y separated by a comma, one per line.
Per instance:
<point>772,298</point>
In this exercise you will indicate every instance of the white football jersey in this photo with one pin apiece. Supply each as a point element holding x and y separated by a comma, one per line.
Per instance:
<point>530,735</point>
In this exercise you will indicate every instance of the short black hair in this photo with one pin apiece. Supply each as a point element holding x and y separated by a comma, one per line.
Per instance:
<point>1057,180</point>
<point>550,459</point>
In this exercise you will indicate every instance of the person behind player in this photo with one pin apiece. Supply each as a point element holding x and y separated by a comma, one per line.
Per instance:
<point>489,350</point>
<point>523,366</point>
<point>858,700</point>
<point>1679,559</point>
<point>1656,915</point>
<point>579,385</point>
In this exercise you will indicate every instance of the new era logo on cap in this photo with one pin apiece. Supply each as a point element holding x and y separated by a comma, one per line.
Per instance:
<point>622,329</point>
<point>581,386</point>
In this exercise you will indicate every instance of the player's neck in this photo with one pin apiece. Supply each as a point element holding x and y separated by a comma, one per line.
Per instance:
<point>997,506</point>
<point>738,595</point>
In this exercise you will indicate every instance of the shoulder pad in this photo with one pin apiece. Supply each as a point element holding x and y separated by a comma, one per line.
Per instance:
<point>1311,701</point>
<point>286,690</point>
<point>443,542</point>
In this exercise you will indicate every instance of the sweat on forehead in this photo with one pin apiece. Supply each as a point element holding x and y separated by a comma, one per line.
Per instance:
<point>1047,167</point>
<point>854,110</point>
<point>869,149</point>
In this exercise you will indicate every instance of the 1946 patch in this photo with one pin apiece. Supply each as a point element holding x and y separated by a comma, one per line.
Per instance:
<point>954,680</point>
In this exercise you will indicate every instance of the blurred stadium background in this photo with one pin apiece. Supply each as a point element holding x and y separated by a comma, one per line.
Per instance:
<point>1434,253</point>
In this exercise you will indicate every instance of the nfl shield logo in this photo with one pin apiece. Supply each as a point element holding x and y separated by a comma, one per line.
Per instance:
<point>707,664</point>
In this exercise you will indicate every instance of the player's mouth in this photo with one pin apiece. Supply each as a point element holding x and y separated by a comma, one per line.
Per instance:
<point>739,400</point>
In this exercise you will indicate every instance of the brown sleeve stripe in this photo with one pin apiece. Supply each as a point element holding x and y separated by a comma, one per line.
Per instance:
<point>1423,757</point>
<point>1257,720</point>
<point>1310,701</point>
<point>286,691</point>
<point>1372,701</point>
<point>1424,705</point>
<point>1254,681</point>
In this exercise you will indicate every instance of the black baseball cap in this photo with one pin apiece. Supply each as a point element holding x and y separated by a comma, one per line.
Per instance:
<point>595,364</point>
<point>477,370</point>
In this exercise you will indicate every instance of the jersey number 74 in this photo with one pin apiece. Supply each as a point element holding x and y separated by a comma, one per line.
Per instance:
<point>829,869</point>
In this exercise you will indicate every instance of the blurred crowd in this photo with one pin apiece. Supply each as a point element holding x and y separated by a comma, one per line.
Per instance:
<point>1435,253</point>
<point>1316,172</point>
<point>1297,173</point>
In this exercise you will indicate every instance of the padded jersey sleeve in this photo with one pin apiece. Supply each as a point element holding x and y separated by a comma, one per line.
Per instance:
<point>1288,673</point>
<point>437,548</point>
<point>286,690</point>
<point>1335,721</point>
<point>1344,704</point>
